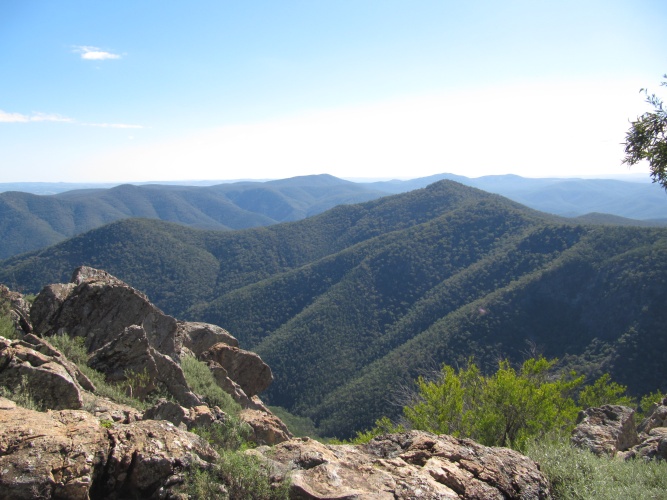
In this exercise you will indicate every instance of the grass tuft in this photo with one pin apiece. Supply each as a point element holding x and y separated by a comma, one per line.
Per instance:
<point>579,474</point>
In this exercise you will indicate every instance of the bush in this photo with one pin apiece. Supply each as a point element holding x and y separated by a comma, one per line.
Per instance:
<point>504,409</point>
<point>7,328</point>
<point>232,434</point>
<point>605,392</point>
<point>22,395</point>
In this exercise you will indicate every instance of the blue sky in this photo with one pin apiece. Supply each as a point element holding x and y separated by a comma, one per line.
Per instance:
<point>147,90</point>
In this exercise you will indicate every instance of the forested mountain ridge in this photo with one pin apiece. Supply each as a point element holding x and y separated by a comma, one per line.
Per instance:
<point>29,221</point>
<point>348,305</point>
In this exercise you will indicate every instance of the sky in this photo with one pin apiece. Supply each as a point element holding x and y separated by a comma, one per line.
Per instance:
<point>166,90</point>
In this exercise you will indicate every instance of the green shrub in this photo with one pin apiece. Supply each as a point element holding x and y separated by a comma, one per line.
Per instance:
<point>504,409</point>
<point>578,474</point>
<point>605,392</point>
<point>7,328</point>
<point>232,434</point>
<point>22,395</point>
<point>201,381</point>
<point>74,349</point>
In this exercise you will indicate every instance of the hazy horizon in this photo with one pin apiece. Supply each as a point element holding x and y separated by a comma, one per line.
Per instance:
<point>129,92</point>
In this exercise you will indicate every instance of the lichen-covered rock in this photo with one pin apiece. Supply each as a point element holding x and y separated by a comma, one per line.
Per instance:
<point>57,454</point>
<point>605,430</point>
<point>145,455</point>
<point>405,466</point>
<point>69,455</point>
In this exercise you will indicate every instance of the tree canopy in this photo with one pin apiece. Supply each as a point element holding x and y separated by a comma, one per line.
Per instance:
<point>646,139</point>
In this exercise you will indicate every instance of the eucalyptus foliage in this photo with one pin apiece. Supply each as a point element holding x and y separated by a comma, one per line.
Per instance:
<point>647,139</point>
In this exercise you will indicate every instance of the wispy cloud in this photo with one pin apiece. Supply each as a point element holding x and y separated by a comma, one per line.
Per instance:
<point>91,53</point>
<point>7,117</point>
<point>112,125</point>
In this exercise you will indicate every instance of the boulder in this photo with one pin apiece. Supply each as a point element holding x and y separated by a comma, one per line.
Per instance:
<point>198,337</point>
<point>410,465</point>
<point>68,454</point>
<point>266,428</point>
<point>147,459</point>
<point>605,430</point>
<point>245,368</point>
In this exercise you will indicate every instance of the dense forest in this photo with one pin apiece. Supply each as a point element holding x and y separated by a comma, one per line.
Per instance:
<point>353,304</point>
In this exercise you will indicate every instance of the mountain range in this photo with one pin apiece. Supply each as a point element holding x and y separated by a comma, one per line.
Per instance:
<point>31,221</point>
<point>350,305</point>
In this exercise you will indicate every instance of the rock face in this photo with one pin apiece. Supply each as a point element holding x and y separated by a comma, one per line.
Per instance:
<point>405,466</point>
<point>68,454</point>
<point>127,335</point>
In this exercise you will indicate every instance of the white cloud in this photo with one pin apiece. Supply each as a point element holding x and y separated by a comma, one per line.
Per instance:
<point>94,53</point>
<point>6,117</point>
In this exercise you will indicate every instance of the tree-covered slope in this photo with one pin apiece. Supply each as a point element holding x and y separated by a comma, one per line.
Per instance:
<point>29,222</point>
<point>349,305</point>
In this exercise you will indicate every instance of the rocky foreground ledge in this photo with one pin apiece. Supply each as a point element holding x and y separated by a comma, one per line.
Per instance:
<point>86,446</point>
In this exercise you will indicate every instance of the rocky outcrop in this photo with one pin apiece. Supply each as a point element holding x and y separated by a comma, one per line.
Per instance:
<point>126,334</point>
<point>197,337</point>
<point>36,368</point>
<point>405,466</point>
<point>652,435</point>
<point>245,368</point>
<point>69,454</point>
